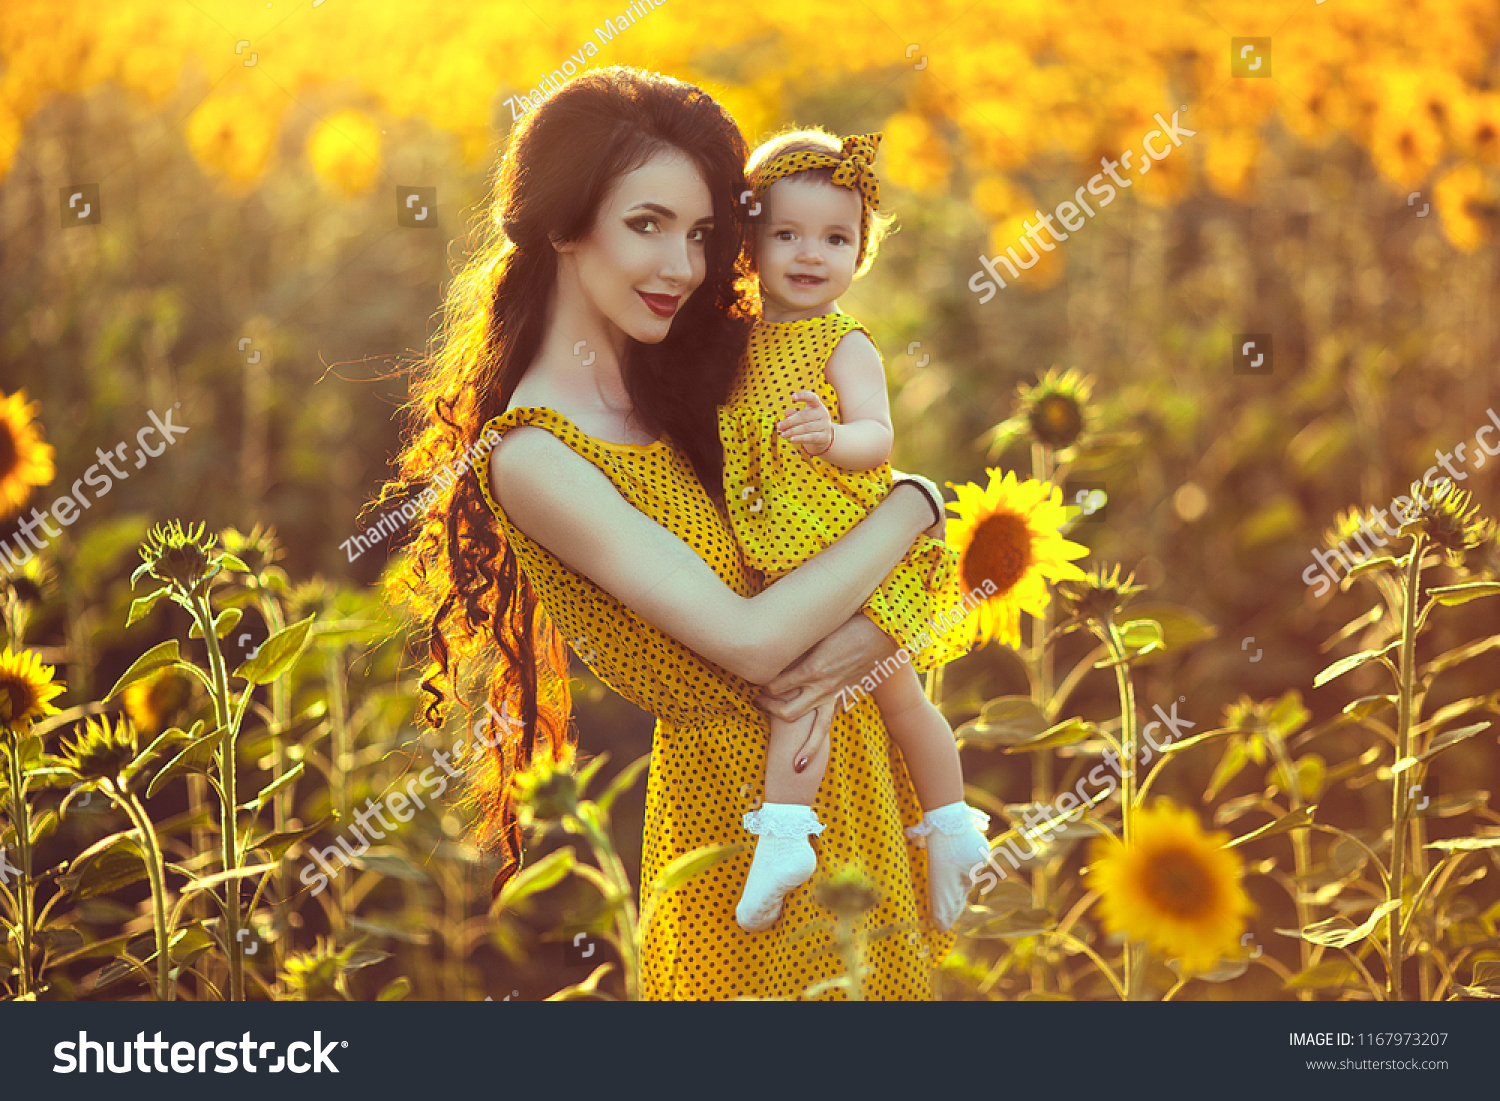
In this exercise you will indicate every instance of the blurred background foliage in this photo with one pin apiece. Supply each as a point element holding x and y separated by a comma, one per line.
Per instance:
<point>248,269</point>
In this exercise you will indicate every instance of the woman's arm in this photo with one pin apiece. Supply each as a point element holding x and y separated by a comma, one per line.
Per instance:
<point>566,504</point>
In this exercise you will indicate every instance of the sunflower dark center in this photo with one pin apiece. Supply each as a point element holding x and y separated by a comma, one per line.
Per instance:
<point>1177,882</point>
<point>8,450</point>
<point>999,552</point>
<point>1057,420</point>
<point>17,697</point>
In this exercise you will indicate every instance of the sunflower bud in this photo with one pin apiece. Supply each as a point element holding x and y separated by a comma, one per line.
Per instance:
<point>181,559</point>
<point>1449,519</point>
<point>102,749</point>
<point>1057,407</point>
<point>318,975</point>
<point>847,893</point>
<point>1098,595</point>
<point>548,790</point>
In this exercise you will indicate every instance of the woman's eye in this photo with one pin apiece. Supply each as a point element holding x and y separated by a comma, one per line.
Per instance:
<point>699,233</point>
<point>640,224</point>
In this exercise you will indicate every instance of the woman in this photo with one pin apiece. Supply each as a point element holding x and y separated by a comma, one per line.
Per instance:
<point>596,337</point>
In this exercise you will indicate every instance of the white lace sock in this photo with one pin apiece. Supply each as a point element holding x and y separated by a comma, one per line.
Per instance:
<point>954,836</point>
<point>783,861</point>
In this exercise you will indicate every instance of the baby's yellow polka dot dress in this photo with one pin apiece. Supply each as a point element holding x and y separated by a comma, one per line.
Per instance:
<point>708,763</point>
<point>785,506</point>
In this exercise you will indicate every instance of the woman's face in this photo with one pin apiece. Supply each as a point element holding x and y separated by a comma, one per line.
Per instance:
<point>646,251</point>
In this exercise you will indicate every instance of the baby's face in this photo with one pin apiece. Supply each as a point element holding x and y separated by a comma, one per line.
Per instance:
<point>807,248</point>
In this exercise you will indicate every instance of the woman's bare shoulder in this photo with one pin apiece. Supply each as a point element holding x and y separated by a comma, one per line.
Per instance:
<point>529,456</point>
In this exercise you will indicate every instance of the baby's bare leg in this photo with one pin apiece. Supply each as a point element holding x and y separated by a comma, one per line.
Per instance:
<point>952,831</point>
<point>924,737</point>
<point>784,784</point>
<point>784,858</point>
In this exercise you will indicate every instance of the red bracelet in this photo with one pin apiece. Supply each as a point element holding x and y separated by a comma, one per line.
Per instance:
<point>827,449</point>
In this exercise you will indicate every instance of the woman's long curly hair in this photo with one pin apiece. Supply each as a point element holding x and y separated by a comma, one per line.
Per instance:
<point>460,576</point>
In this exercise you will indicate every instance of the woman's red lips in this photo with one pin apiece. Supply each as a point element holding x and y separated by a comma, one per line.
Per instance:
<point>662,305</point>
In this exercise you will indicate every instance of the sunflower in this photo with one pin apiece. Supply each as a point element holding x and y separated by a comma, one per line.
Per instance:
<point>1351,537</point>
<point>1057,407</point>
<point>154,700</point>
<point>1467,205</point>
<point>25,461</point>
<point>1099,594</point>
<point>101,749</point>
<point>848,892</point>
<point>1449,518</point>
<point>1009,547</point>
<point>26,688</point>
<point>183,560</point>
<point>1173,886</point>
<point>548,789</point>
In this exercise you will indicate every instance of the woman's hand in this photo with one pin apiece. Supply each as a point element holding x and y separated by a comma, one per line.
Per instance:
<point>811,427</point>
<point>813,681</point>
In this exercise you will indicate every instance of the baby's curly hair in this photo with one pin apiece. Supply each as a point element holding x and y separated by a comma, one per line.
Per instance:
<point>814,140</point>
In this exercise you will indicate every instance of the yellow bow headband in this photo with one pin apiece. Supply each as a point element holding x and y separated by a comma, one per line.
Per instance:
<point>852,168</point>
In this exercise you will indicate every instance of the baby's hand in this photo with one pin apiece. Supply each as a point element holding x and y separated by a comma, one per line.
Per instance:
<point>811,427</point>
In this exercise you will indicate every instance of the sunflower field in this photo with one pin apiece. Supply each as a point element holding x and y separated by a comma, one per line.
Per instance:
<point>1194,306</point>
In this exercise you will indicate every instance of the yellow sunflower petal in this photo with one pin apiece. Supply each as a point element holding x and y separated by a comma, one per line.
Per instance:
<point>1174,887</point>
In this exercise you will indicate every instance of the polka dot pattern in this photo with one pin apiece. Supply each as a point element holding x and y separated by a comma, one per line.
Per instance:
<point>785,506</point>
<point>708,763</point>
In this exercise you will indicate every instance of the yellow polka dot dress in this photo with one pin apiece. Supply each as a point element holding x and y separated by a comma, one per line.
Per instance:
<point>708,763</point>
<point>785,506</point>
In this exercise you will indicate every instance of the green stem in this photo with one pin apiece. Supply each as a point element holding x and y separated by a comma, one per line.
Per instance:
<point>343,757</point>
<point>1110,635</point>
<point>848,943</point>
<point>21,820</point>
<point>157,872</point>
<point>1403,750</point>
<point>228,775</point>
<point>1301,852</point>
<point>281,803</point>
<point>604,853</point>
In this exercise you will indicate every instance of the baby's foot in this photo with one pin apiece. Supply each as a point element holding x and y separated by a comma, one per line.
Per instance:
<point>955,844</point>
<point>783,861</point>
